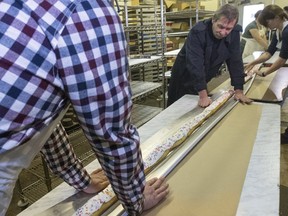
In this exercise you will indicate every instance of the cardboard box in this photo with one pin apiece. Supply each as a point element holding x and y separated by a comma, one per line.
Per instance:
<point>183,5</point>
<point>169,3</point>
<point>186,5</point>
<point>149,2</point>
<point>180,26</point>
<point>133,2</point>
<point>178,42</point>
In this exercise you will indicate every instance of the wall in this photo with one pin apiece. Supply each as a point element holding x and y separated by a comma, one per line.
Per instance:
<point>281,3</point>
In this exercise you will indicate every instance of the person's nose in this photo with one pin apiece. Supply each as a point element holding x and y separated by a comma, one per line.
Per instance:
<point>224,32</point>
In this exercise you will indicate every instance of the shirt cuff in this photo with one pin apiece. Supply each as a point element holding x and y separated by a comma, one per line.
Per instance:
<point>136,209</point>
<point>78,177</point>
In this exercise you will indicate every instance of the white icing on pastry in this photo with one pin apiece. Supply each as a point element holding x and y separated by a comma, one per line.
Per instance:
<point>154,155</point>
<point>95,203</point>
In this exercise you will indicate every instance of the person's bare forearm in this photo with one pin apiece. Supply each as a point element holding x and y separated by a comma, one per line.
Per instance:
<point>263,58</point>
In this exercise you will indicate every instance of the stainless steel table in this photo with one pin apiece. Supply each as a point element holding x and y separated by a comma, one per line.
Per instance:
<point>260,193</point>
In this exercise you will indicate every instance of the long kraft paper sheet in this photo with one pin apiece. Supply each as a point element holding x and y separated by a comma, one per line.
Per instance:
<point>260,90</point>
<point>269,89</point>
<point>208,182</point>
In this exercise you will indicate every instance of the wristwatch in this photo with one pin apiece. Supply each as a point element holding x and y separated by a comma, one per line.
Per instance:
<point>263,74</point>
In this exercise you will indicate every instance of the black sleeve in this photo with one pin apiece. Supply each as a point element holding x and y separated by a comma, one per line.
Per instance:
<point>235,62</point>
<point>284,48</point>
<point>195,59</point>
<point>272,47</point>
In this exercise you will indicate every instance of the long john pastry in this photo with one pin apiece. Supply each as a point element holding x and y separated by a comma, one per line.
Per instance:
<point>98,204</point>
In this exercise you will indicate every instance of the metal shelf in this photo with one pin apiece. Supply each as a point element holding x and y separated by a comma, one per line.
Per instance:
<point>141,89</point>
<point>188,14</point>
<point>135,63</point>
<point>172,53</point>
<point>142,28</point>
<point>177,34</point>
<point>38,189</point>
<point>142,25</point>
<point>142,114</point>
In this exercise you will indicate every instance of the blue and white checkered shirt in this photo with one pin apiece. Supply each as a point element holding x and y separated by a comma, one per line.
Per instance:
<point>53,52</point>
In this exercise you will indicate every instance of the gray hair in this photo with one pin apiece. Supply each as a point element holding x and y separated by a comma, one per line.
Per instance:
<point>228,11</point>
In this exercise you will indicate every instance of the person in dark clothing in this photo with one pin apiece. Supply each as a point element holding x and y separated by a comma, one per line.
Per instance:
<point>274,17</point>
<point>284,136</point>
<point>209,44</point>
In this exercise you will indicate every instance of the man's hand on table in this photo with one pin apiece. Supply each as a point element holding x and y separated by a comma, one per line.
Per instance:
<point>241,97</point>
<point>155,190</point>
<point>204,100</point>
<point>99,181</point>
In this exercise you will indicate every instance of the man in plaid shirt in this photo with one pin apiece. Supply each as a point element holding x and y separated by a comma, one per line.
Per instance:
<point>56,52</point>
